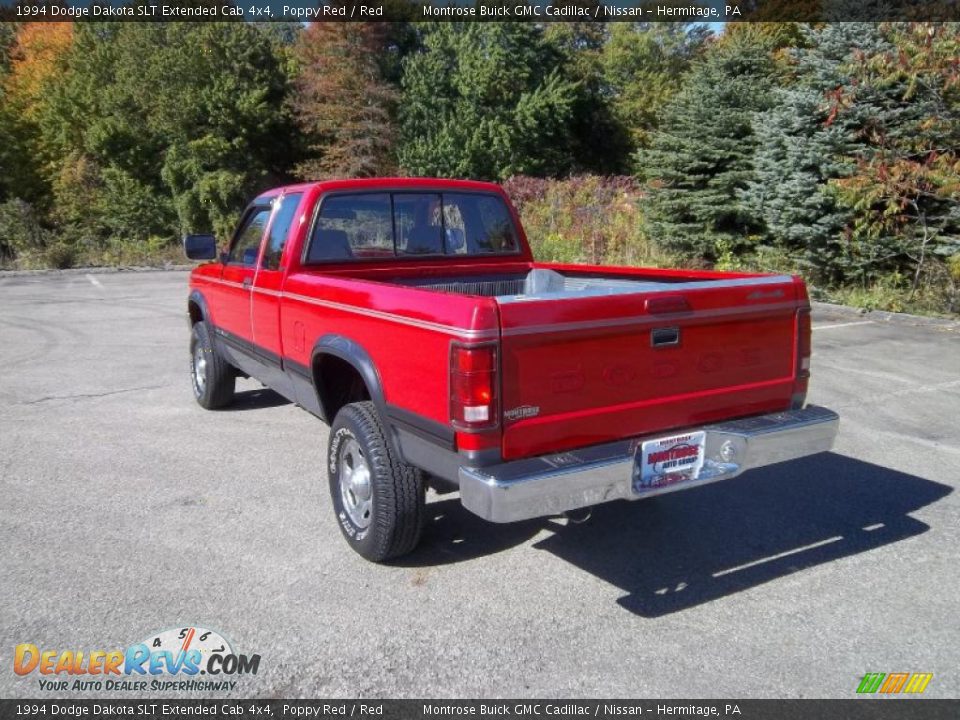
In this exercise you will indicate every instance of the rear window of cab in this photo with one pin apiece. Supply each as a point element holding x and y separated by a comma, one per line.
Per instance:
<point>372,225</point>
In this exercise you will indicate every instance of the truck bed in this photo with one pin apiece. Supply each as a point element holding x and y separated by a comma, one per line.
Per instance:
<point>590,354</point>
<point>542,283</point>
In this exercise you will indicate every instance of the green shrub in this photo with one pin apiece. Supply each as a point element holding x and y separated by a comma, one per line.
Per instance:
<point>59,255</point>
<point>584,219</point>
<point>20,230</point>
<point>937,294</point>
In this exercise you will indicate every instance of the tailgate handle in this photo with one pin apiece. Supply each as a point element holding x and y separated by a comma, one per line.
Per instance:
<point>665,337</point>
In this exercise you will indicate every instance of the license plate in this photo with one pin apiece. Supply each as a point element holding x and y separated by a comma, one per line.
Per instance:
<point>668,461</point>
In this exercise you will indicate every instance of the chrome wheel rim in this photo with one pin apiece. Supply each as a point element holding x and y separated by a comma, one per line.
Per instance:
<point>199,368</point>
<point>355,491</point>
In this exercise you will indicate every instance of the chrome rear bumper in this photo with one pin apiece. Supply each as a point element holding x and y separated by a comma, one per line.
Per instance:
<point>551,484</point>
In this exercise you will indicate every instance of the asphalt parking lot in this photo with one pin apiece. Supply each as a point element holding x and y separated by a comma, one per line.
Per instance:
<point>127,509</point>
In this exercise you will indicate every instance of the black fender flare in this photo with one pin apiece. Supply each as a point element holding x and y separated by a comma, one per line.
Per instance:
<point>355,355</point>
<point>196,298</point>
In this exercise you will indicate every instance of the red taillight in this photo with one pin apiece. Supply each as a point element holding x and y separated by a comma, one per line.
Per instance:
<point>803,343</point>
<point>473,386</point>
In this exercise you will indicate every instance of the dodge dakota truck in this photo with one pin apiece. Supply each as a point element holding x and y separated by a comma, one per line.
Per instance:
<point>410,316</point>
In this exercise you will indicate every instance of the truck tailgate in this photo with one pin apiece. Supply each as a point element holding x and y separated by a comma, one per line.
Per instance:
<point>578,371</point>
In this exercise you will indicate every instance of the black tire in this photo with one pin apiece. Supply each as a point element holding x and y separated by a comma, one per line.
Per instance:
<point>385,522</point>
<point>212,378</point>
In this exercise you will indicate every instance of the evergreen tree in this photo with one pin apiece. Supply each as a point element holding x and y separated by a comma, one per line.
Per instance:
<point>702,153</point>
<point>857,171</point>
<point>804,142</point>
<point>165,127</point>
<point>485,100</point>
<point>8,32</point>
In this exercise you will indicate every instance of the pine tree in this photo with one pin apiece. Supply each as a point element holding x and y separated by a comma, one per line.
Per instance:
<point>600,141</point>
<point>485,100</point>
<point>8,33</point>
<point>857,170</point>
<point>804,142</point>
<point>702,153</point>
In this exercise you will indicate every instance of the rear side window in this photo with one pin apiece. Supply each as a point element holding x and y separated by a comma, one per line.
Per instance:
<point>280,230</point>
<point>352,227</point>
<point>361,226</point>
<point>246,245</point>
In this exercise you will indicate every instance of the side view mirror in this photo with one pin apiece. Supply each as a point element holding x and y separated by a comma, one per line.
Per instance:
<point>200,247</point>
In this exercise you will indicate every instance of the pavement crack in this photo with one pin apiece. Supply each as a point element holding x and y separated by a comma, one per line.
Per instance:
<point>88,396</point>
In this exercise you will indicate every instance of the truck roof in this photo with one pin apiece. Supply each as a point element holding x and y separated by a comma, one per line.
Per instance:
<point>384,183</point>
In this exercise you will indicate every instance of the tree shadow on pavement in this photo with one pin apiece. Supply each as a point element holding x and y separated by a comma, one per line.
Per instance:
<point>680,550</point>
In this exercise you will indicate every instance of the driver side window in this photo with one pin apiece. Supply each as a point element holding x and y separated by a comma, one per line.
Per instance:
<point>246,246</point>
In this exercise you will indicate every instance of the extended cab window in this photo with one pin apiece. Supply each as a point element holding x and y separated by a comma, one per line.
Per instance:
<point>246,245</point>
<point>280,229</point>
<point>360,226</point>
<point>352,226</point>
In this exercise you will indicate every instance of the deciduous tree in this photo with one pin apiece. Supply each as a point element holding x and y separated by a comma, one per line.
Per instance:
<point>170,126</point>
<point>343,103</point>
<point>643,66</point>
<point>34,58</point>
<point>905,190</point>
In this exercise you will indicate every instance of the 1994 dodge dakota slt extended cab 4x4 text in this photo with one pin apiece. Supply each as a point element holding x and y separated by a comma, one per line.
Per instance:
<point>410,316</point>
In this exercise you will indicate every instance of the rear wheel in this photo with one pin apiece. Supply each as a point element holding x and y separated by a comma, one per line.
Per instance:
<point>212,377</point>
<point>378,499</point>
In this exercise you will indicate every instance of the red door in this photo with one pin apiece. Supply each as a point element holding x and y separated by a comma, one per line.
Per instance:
<point>233,313</point>
<point>268,280</point>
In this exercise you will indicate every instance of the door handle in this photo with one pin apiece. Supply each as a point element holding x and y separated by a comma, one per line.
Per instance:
<point>247,282</point>
<point>665,337</point>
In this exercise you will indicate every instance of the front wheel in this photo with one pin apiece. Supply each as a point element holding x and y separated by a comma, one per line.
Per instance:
<point>378,499</point>
<point>212,377</point>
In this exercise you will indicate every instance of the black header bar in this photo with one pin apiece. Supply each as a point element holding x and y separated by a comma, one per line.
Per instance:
<point>856,709</point>
<point>706,11</point>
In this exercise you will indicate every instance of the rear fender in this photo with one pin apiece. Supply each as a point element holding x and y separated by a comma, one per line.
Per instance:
<point>355,355</point>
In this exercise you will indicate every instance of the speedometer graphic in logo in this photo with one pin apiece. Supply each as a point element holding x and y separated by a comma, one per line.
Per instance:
<point>176,640</point>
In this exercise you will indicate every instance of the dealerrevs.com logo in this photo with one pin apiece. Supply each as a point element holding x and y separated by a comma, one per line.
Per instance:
<point>188,659</point>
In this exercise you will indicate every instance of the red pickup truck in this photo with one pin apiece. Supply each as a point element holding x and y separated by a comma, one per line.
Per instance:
<point>410,315</point>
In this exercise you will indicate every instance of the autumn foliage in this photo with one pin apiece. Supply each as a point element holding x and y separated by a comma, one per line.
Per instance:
<point>828,149</point>
<point>342,103</point>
